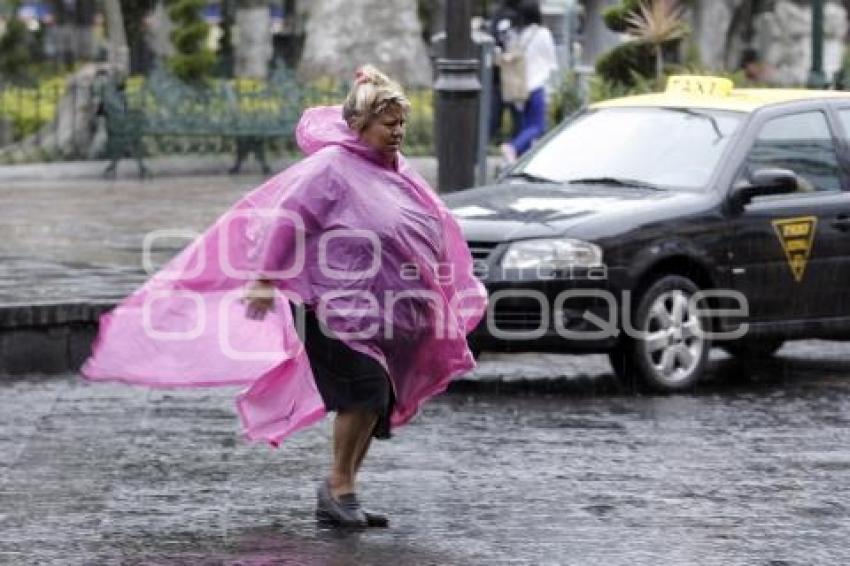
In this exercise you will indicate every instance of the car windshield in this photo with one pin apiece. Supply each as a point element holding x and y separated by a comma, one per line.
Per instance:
<point>661,147</point>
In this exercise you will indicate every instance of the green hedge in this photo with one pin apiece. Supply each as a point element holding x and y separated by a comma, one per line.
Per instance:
<point>28,109</point>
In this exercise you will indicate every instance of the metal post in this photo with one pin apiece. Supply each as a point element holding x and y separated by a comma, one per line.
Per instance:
<point>817,78</point>
<point>484,108</point>
<point>57,117</point>
<point>38,115</point>
<point>226,41</point>
<point>457,87</point>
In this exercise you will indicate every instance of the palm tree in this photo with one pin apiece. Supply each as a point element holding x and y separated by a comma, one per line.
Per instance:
<point>657,22</point>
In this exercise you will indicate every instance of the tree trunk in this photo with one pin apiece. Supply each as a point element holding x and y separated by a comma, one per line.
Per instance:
<point>253,45</point>
<point>783,38</point>
<point>72,131</point>
<point>659,62</point>
<point>83,42</point>
<point>712,24</point>
<point>158,35</point>
<point>343,35</point>
<point>119,51</point>
<point>739,31</point>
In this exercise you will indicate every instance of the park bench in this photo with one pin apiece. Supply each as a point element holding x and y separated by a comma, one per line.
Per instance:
<point>174,113</point>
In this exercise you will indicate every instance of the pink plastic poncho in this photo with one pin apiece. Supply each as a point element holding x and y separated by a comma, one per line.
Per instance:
<point>368,245</point>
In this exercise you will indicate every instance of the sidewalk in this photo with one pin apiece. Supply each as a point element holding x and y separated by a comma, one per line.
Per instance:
<point>163,167</point>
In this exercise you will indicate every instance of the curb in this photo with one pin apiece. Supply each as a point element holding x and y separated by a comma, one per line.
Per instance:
<point>183,166</point>
<point>48,338</point>
<point>177,166</point>
<point>127,169</point>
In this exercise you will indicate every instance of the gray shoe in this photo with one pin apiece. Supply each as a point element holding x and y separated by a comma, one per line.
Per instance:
<point>344,512</point>
<point>376,519</point>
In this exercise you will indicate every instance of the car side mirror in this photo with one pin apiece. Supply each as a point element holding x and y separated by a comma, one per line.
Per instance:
<point>765,182</point>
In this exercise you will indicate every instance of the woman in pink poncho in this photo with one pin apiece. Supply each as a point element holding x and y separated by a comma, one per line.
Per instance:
<point>350,246</point>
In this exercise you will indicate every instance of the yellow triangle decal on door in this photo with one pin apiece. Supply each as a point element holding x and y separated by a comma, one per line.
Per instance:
<point>796,236</point>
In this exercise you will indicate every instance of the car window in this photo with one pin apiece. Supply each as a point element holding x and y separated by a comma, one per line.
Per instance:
<point>667,147</point>
<point>802,143</point>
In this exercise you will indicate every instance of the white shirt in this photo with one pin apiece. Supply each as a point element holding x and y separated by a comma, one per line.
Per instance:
<point>540,59</point>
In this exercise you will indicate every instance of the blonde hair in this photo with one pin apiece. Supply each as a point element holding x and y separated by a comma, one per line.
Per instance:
<point>372,93</point>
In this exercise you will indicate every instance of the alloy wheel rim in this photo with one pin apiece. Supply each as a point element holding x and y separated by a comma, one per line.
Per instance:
<point>673,342</point>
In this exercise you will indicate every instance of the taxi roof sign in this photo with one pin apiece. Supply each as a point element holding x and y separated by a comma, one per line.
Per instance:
<point>699,85</point>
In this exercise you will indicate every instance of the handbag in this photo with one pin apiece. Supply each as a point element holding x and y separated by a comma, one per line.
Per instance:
<point>512,65</point>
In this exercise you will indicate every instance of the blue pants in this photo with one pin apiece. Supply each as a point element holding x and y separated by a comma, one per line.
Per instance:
<point>533,121</point>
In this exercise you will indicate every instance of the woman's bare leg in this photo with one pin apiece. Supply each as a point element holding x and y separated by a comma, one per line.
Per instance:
<point>352,434</point>
<point>362,454</point>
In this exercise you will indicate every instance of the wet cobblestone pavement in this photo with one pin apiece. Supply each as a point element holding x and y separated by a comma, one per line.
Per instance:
<point>753,468</point>
<point>533,459</point>
<point>81,240</point>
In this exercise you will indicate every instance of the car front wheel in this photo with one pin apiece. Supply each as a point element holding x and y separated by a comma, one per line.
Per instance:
<point>669,351</point>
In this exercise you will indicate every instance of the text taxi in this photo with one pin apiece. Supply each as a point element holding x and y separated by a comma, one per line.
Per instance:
<point>653,227</point>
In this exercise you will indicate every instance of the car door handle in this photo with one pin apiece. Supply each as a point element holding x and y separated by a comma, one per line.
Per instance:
<point>842,222</point>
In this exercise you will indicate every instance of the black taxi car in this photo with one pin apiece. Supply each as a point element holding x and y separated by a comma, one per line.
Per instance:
<point>654,227</point>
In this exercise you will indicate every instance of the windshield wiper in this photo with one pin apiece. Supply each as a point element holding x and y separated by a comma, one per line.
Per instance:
<point>711,119</point>
<point>530,177</point>
<point>615,181</point>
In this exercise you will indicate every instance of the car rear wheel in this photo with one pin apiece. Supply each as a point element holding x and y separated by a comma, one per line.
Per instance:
<point>670,350</point>
<point>751,348</point>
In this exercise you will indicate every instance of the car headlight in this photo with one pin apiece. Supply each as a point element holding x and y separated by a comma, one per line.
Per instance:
<point>554,253</point>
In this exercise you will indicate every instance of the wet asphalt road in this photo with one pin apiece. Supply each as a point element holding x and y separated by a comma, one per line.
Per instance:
<point>753,468</point>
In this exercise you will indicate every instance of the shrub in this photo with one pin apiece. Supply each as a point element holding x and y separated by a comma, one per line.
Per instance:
<point>604,89</point>
<point>193,62</point>
<point>616,16</point>
<point>567,99</point>
<point>621,64</point>
<point>29,109</point>
<point>658,29</point>
<point>14,50</point>
<point>420,128</point>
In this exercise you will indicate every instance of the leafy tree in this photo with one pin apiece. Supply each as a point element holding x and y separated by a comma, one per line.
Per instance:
<point>15,54</point>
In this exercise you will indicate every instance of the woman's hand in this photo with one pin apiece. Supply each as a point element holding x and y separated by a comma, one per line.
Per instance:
<point>259,297</point>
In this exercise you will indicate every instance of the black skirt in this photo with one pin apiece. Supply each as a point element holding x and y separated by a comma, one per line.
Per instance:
<point>346,379</point>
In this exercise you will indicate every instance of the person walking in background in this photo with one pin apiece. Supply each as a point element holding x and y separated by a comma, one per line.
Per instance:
<point>756,71</point>
<point>352,239</point>
<point>537,46</point>
<point>501,26</point>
